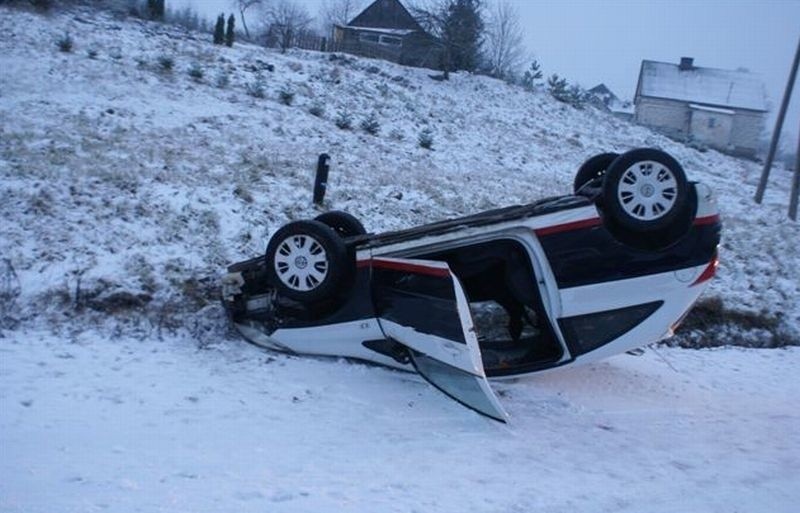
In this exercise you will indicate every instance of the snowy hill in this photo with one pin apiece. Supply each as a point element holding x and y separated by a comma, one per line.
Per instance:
<point>143,183</point>
<point>128,187</point>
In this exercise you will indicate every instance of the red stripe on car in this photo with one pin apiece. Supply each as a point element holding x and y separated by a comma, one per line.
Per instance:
<point>405,267</point>
<point>702,221</point>
<point>566,227</point>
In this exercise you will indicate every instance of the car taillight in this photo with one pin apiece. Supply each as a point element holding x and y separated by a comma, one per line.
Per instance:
<point>709,271</point>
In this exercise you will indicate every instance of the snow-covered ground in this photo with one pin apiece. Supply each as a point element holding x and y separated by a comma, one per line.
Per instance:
<point>125,191</point>
<point>92,424</point>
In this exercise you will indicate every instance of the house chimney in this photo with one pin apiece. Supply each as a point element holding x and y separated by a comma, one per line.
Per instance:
<point>687,64</point>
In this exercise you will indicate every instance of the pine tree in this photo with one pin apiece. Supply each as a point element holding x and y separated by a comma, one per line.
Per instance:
<point>463,33</point>
<point>155,9</point>
<point>229,35</point>
<point>219,30</point>
<point>557,87</point>
<point>532,76</point>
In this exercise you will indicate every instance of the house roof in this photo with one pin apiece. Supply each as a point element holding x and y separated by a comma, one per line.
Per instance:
<point>385,14</point>
<point>709,86</point>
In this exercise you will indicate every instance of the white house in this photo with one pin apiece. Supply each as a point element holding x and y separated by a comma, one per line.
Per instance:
<point>719,108</point>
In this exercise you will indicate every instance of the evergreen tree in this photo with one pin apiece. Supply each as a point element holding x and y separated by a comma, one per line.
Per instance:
<point>229,35</point>
<point>463,33</point>
<point>219,30</point>
<point>532,76</point>
<point>557,87</point>
<point>155,9</point>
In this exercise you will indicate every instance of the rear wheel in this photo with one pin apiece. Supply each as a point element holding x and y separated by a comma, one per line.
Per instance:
<point>645,190</point>
<point>307,261</point>
<point>595,167</point>
<point>346,225</point>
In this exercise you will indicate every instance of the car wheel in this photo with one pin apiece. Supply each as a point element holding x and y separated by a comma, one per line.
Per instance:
<point>344,224</point>
<point>645,190</point>
<point>307,261</point>
<point>593,168</point>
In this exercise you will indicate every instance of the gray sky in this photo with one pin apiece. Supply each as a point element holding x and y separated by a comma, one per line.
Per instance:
<point>594,41</point>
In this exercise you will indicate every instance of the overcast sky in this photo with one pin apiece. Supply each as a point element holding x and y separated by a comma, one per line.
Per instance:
<point>594,41</point>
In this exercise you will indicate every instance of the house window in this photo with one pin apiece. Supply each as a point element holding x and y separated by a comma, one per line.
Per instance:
<point>367,37</point>
<point>712,122</point>
<point>391,41</point>
<point>370,37</point>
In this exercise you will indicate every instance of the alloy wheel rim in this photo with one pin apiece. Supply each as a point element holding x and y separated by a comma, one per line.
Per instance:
<point>301,263</point>
<point>647,190</point>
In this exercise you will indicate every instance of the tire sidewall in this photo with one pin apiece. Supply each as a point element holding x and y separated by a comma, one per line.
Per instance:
<point>594,167</point>
<point>613,176</point>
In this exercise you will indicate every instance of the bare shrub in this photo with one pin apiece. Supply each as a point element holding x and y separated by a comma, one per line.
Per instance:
<point>166,63</point>
<point>286,95</point>
<point>425,138</point>
<point>10,290</point>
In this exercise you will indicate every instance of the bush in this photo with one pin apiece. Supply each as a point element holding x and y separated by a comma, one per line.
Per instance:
<point>317,109</point>
<point>397,135</point>
<point>166,63</point>
<point>65,43</point>
<point>196,72</point>
<point>91,53</point>
<point>223,80</point>
<point>256,87</point>
<point>370,124</point>
<point>286,95</point>
<point>344,120</point>
<point>426,138</point>
<point>115,53</point>
<point>576,96</point>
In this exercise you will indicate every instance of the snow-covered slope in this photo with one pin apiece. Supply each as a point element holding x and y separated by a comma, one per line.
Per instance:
<point>127,189</point>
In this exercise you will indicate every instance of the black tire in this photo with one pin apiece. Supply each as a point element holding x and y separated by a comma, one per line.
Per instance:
<point>645,190</point>
<point>307,261</point>
<point>594,167</point>
<point>344,224</point>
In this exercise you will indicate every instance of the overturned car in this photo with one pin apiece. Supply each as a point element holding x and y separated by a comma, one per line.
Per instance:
<point>566,280</point>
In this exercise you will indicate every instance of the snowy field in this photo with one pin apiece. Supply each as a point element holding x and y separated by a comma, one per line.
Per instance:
<point>92,424</point>
<point>125,189</point>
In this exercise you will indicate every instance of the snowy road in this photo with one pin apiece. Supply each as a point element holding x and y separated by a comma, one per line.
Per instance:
<point>94,424</point>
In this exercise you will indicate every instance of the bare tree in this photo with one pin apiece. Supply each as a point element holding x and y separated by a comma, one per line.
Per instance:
<point>286,20</point>
<point>338,12</point>
<point>243,6</point>
<point>505,48</point>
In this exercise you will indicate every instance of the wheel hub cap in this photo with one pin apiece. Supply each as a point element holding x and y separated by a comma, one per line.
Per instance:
<point>647,190</point>
<point>301,262</point>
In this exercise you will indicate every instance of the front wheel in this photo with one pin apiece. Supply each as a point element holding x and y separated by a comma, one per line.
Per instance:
<point>645,190</point>
<point>307,261</point>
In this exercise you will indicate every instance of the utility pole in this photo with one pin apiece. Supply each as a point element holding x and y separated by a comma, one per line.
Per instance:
<point>787,95</point>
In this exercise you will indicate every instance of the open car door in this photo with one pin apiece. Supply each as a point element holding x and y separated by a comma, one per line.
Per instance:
<point>420,304</point>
